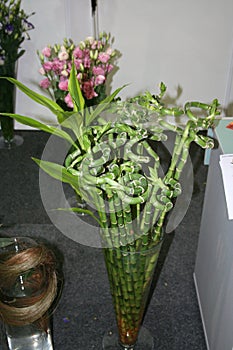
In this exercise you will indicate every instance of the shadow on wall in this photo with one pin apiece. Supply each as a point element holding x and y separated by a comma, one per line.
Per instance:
<point>229,110</point>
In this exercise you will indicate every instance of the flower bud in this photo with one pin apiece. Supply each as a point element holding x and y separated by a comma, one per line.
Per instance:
<point>56,48</point>
<point>42,71</point>
<point>82,45</point>
<point>64,73</point>
<point>113,54</point>
<point>41,57</point>
<point>95,55</point>
<point>89,40</point>
<point>79,77</point>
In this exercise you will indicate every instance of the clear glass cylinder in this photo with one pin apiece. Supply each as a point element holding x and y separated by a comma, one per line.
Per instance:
<point>7,100</point>
<point>8,139</point>
<point>28,288</point>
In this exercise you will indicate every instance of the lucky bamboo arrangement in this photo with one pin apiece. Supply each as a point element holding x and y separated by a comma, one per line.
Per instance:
<point>115,168</point>
<point>110,166</point>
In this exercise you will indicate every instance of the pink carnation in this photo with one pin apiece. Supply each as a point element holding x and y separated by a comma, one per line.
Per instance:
<point>48,66</point>
<point>68,101</point>
<point>98,71</point>
<point>42,71</point>
<point>57,66</point>
<point>86,52</point>
<point>109,51</point>
<point>45,83</point>
<point>78,53</point>
<point>63,56</point>
<point>90,40</point>
<point>88,89</point>
<point>100,79</point>
<point>103,57</point>
<point>79,77</point>
<point>94,45</point>
<point>46,51</point>
<point>63,84</point>
<point>86,62</point>
<point>109,68</point>
<point>77,63</point>
<point>99,44</point>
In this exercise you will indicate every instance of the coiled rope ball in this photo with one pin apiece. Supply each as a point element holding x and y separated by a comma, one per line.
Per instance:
<point>28,282</point>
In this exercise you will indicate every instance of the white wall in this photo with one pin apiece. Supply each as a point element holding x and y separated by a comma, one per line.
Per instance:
<point>183,43</point>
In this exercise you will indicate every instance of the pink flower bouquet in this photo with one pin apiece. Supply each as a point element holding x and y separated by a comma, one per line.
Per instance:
<point>93,60</point>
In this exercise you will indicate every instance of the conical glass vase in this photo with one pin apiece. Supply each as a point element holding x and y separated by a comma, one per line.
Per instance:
<point>130,274</point>
<point>8,139</point>
<point>28,288</point>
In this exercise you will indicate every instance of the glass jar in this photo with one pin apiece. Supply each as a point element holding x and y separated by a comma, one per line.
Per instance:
<point>28,288</point>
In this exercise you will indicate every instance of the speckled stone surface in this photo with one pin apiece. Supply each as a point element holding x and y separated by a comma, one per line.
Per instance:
<point>85,310</point>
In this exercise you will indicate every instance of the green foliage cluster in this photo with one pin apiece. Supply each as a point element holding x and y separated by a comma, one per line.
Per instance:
<point>112,164</point>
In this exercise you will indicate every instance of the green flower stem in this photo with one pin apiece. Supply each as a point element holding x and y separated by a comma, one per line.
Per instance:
<point>183,159</point>
<point>128,224</point>
<point>112,213</point>
<point>147,220</point>
<point>152,154</point>
<point>175,156</point>
<point>159,226</point>
<point>97,197</point>
<point>171,127</point>
<point>120,219</point>
<point>116,229</point>
<point>196,104</point>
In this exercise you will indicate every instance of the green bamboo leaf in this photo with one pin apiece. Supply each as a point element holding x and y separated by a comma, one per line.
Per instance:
<point>63,115</point>
<point>38,125</point>
<point>58,172</point>
<point>43,100</point>
<point>75,90</point>
<point>102,106</point>
<point>75,123</point>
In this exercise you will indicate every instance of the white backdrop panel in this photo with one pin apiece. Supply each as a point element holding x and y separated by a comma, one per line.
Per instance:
<point>183,43</point>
